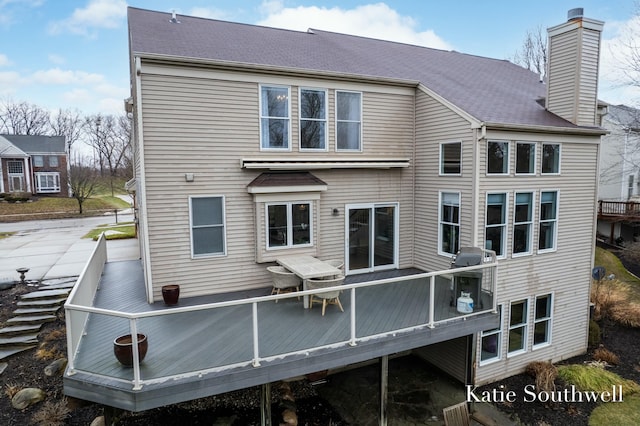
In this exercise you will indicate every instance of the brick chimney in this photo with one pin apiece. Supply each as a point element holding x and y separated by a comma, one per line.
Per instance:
<point>572,75</point>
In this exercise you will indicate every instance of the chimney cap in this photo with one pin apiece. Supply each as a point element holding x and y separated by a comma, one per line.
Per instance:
<point>577,13</point>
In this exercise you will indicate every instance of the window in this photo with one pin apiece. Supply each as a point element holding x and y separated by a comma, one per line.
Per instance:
<point>38,161</point>
<point>522,223</point>
<point>550,158</point>
<point>289,224</point>
<point>313,119</point>
<point>498,157</point>
<point>525,158</point>
<point>48,182</point>
<point>449,222</point>
<point>348,121</point>
<point>518,326</point>
<point>496,223</point>
<point>542,321</point>
<point>15,167</point>
<point>450,158</point>
<point>207,226</point>
<point>274,117</point>
<point>53,161</point>
<point>491,342</point>
<point>548,220</point>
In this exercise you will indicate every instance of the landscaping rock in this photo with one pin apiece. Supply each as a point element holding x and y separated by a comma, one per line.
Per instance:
<point>98,421</point>
<point>27,397</point>
<point>55,367</point>
<point>3,366</point>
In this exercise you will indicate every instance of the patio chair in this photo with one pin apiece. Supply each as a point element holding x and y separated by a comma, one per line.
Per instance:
<point>457,415</point>
<point>327,297</point>
<point>284,281</point>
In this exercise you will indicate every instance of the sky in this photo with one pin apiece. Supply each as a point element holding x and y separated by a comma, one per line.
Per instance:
<point>73,54</point>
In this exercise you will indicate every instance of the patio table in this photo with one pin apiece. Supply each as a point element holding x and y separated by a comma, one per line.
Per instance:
<point>306,266</point>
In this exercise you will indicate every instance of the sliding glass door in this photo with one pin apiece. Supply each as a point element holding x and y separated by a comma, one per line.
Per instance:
<point>372,234</point>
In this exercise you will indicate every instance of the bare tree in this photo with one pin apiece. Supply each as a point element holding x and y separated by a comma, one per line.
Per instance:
<point>627,52</point>
<point>533,53</point>
<point>67,123</point>
<point>83,180</point>
<point>22,118</point>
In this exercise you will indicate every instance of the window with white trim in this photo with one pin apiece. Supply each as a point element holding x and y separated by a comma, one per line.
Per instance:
<point>498,157</point>
<point>348,121</point>
<point>450,158</point>
<point>289,224</point>
<point>525,158</point>
<point>523,223</point>
<point>449,218</point>
<point>38,161</point>
<point>542,321</point>
<point>496,223</point>
<point>275,117</point>
<point>207,217</point>
<point>53,161</point>
<point>491,342</point>
<point>550,158</point>
<point>547,234</point>
<point>313,119</point>
<point>47,182</point>
<point>518,326</point>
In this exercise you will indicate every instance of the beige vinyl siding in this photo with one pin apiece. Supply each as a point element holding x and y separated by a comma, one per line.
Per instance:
<point>589,78</point>
<point>435,124</point>
<point>205,126</point>
<point>450,356</point>
<point>565,272</point>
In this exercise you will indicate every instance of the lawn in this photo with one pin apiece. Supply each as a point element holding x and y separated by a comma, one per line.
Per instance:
<point>612,265</point>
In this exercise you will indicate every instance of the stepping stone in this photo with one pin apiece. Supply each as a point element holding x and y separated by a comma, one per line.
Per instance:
<point>35,319</point>
<point>43,294</point>
<point>5,353</point>
<point>15,330</point>
<point>41,303</point>
<point>30,311</point>
<point>19,340</point>
<point>68,285</point>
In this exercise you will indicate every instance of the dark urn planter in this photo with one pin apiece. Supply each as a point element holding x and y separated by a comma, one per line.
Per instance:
<point>123,348</point>
<point>170,294</point>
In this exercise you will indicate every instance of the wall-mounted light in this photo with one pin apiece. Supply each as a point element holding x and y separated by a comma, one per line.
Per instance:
<point>189,177</point>
<point>335,212</point>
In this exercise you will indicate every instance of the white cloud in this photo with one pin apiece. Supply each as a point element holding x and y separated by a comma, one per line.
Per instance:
<point>372,20</point>
<point>4,60</point>
<point>56,59</point>
<point>207,12</point>
<point>618,44</point>
<point>56,76</point>
<point>97,14</point>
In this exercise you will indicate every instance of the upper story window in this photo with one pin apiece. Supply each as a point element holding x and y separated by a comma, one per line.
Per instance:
<point>550,158</point>
<point>289,224</point>
<point>207,226</point>
<point>38,161</point>
<point>522,223</point>
<point>498,157</point>
<point>496,223</point>
<point>449,223</point>
<point>313,119</point>
<point>451,158</point>
<point>348,121</point>
<point>15,167</point>
<point>525,158</point>
<point>548,220</point>
<point>275,117</point>
<point>53,161</point>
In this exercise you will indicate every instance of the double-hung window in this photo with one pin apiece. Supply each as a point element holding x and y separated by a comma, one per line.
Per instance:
<point>497,157</point>
<point>348,121</point>
<point>53,161</point>
<point>525,158</point>
<point>522,223</point>
<point>449,222</point>
<point>47,182</point>
<point>450,158</point>
<point>547,234</point>
<point>289,224</point>
<point>518,325</point>
<point>550,159</point>
<point>38,161</point>
<point>496,223</point>
<point>275,118</point>
<point>207,226</point>
<point>542,321</point>
<point>313,119</point>
<point>492,342</point>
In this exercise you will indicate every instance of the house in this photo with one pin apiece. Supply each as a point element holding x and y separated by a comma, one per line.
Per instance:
<point>254,143</point>
<point>619,189</point>
<point>34,164</point>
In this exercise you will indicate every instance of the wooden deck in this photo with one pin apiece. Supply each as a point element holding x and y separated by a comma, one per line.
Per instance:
<point>202,353</point>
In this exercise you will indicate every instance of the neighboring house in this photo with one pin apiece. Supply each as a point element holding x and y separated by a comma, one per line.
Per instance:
<point>34,164</point>
<point>253,143</point>
<point>619,189</point>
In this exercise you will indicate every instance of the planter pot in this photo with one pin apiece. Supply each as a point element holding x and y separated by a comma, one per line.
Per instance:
<point>123,348</point>
<point>170,294</point>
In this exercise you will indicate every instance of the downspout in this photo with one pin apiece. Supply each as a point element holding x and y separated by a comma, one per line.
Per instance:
<point>142,212</point>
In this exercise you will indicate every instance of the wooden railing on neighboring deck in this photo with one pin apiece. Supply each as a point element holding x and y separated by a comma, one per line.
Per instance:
<point>621,209</point>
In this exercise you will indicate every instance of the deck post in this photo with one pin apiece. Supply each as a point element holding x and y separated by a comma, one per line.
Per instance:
<point>432,300</point>
<point>137,385</point>
<point>256,351</point>
<point>384,384</point>
<point>265,404</point>
<point>352,342</point>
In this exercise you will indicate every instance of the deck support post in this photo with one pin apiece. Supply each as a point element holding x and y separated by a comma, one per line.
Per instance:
<point>265,404</point>
<point>112,415</point>
<point>384,382</point>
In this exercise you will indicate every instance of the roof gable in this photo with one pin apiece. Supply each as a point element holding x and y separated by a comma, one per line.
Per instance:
<point>7,149</point>
<point>37,144</point>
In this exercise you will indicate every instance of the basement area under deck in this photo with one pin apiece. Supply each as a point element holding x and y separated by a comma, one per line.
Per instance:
<point>215,344</point>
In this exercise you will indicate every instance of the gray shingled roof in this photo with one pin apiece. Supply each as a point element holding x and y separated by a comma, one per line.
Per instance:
<point>491,90</point>
<point>32,144</point>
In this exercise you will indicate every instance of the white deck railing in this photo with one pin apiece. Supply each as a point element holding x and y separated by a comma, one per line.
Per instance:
<point>80,304</point>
